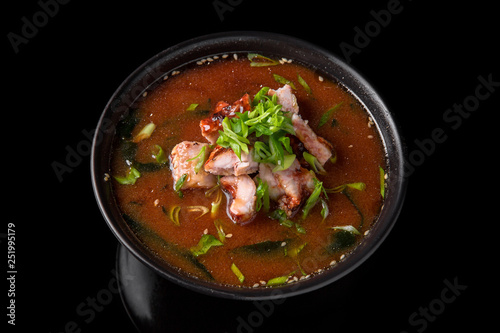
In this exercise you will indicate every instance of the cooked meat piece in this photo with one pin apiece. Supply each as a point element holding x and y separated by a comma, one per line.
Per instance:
<point>288,187</point>
<point>240,191</point>
<point>286,98</point>
<point>267,175</point>
<point>210,126</point>
<point>316,145</point>
<point>179,165</point>
<point>223,161</point>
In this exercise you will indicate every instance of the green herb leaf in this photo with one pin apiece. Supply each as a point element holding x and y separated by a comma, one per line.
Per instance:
<point>282,80</point>
<point>327,114</point>
<point>238,273</point>
<point>258,60</point>
<point>205,243</point>
<point>303,83</point>
<point>131,177</point>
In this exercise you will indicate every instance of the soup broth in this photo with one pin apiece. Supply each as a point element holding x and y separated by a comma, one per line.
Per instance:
<point>270,249</point>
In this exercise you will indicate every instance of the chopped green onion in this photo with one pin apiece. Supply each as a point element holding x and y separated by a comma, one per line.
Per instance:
<point>324,209</point>
<point>201,159</point>
<point>216,204</point>
<point>300,229</point>
<point>205,243</point>
<point>160,156</point>
<point>304,84</point>
<point>349,228</point>
<point>238,273</point>
<point>261,60</point>
<point>220,231</point>
<point>382,182</point>
<point>313,198</point>
<point>179,183</point>
<point>192,107</point>
<point>131,177</point>
<point>201,209</point>
<point>144,133</point>
<point>327,114</point>
<point>279,280</point>
<point>282,80</point>
<point>314,163</point>
<point>173,214</point>
<point>357,186</point>
<point>287,162</point>
<point>262,194</point>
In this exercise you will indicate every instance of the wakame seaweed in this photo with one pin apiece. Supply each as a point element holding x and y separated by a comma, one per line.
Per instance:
<point>341,240</point>
<point>127,124</point>
<point>146,232</point>
<point>264,248</point>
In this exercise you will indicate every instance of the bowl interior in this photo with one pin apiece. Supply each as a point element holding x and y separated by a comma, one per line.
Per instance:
<point>149,74</point>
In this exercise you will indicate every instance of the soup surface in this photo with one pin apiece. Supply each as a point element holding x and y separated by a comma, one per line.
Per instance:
<point>194,229</point>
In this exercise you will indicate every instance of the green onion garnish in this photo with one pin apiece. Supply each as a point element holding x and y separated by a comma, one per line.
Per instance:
<point>131,177</point>
<point>304,84</point>
<point>238,273</point>
<point>258,60</point>
<point>327,114</point>
<point>282,80</point>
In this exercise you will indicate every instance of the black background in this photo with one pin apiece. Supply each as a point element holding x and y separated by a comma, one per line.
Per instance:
<point>425,60</point>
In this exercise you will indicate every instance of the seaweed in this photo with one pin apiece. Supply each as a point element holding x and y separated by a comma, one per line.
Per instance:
<point>341,240</point>
<point>146,232</point>
<point>264,248</point>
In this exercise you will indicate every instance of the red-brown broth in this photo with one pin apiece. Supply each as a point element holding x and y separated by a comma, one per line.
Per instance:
<point>359,150</point>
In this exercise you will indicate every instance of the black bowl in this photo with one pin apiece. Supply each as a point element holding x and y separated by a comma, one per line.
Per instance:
<point>153,71</point>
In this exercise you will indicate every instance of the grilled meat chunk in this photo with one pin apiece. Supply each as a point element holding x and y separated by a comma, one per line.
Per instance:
<point>240,191</point>
<point>179,164</point>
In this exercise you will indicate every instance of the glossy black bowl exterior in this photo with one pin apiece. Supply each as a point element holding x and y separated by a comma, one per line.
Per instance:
<point>154,70</point>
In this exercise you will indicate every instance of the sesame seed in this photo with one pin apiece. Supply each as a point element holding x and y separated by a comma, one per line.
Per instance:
<point>350,146</point>
<point>224,56</point>
<point>165,77</point>
<point>205,231</point>
<point>199,63</point>
<point>235,56</point>
<point>262,282</point>
<point>175,72</point>
<point>216,57</point>
<point>145,94</point>
<point>370,136</point>
<point>283,244</point>
<point>210,59</point>
<point>106,177</point>
<point>366,232</point>
<point>320,78</point>
<point>386,176</point>
<point>255,285</point>
<point>342,257</point>
<point>229,235</point>
<point>333,262</point>
<point>157,201</point>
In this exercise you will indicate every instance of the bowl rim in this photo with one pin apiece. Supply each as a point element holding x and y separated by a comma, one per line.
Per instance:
<point>153,71</point>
